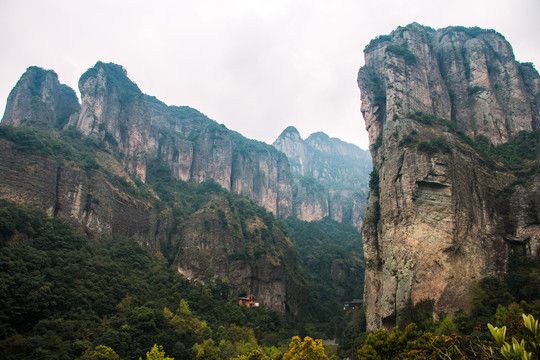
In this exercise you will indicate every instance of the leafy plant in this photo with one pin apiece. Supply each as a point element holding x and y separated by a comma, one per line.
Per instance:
<point>519,349</point>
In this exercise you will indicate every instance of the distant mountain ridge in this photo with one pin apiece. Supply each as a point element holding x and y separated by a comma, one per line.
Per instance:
<point>331,176</point>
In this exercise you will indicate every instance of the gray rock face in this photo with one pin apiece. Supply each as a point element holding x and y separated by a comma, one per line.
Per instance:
<point>39,100</point>
<point>468,76</point>
<point>331,176</point>
<point>139,128</point>
<point>432,225</point>
<point>114,110</point>
<point>211,151</point>
<point>90,203</point>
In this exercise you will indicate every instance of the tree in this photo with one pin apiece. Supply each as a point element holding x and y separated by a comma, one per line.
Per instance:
<point>308,349</point>
<point>100,352</point>
<point>256,354</point>
<point>207,350</point>
<point>157,353</point>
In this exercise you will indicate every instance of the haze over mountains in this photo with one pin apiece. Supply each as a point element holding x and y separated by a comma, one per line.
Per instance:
<point>453,199</point>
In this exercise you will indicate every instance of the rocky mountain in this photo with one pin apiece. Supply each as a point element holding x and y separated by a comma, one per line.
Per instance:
<point>40,101</point>
<point>199,149</point>
<point>140,127</point>
<point>444,110</point>
<point>117,164</point>
<point>96,165</point>
<point>331,176</point>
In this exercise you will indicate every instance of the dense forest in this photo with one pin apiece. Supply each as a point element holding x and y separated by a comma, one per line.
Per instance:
<point>63,294</point>
<point>65,297</point>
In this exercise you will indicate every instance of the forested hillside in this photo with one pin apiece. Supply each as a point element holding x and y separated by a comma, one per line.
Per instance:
<point>63,294</point>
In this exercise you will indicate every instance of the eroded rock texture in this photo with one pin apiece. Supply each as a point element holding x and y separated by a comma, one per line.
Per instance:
<point>330,177</point>
<point>102,192</point>
<point>39,100</point>
<point>434,221</point>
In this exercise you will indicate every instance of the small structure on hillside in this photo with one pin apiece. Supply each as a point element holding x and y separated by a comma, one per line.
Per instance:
<point>248,301</point>
<point>353,305</point>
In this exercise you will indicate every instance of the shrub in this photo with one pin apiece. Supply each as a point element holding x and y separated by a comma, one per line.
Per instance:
<point>434,146</point>
<point>403,51</point>
<point>378,40</point>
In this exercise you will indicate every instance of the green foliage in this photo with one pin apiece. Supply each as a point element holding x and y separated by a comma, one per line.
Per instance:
<point>413,343</point>
<point>375,81</point>
<point>374,182</point>
<point>68,147</point>
<point>530,65</point>
<point>230,212</point>
<point>524,349</point>
<point>525,146</point>
<point>420,314</point>
<point>157,353</point>
<point>62,296</point>
<point>307,349</point>
<point>435,146</point>
<point>36,142</point>
<point>474,90</point>
<point>471,31</point>
<point>402,51</point>
<point>408,140</point>
<point>378,142</point>
<point>354,335</point>
<point>102,352</point>
<point>116,81</point>
<point>323,247</point>
<point>378,40</point>
<point>428,119</point>
<point>253,355</point>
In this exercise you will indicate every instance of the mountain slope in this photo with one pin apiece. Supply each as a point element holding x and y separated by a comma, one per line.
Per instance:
<point>77,178</point>
<point>63,295</point>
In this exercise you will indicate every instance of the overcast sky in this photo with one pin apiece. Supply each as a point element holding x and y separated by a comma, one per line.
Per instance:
<point>255,66</point>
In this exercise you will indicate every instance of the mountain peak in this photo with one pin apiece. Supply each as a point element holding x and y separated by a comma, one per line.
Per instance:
<point>319,134</point>
<point>111,76</point>
<point>39,100</point>
<point>290,131</point>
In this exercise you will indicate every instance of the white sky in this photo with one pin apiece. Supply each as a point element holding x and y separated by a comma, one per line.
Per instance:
<point>255,66</point>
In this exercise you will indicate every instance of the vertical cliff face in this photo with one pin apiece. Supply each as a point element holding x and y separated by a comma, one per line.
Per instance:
<point>331,176</point>
<point>39,100</point>
<point>114,110</point>
<point>92,179</point>
<point>141,128</point>
<point>91,201</point>
<point>199,149</point>
<point>263,173</point>
<point>434,223</point>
